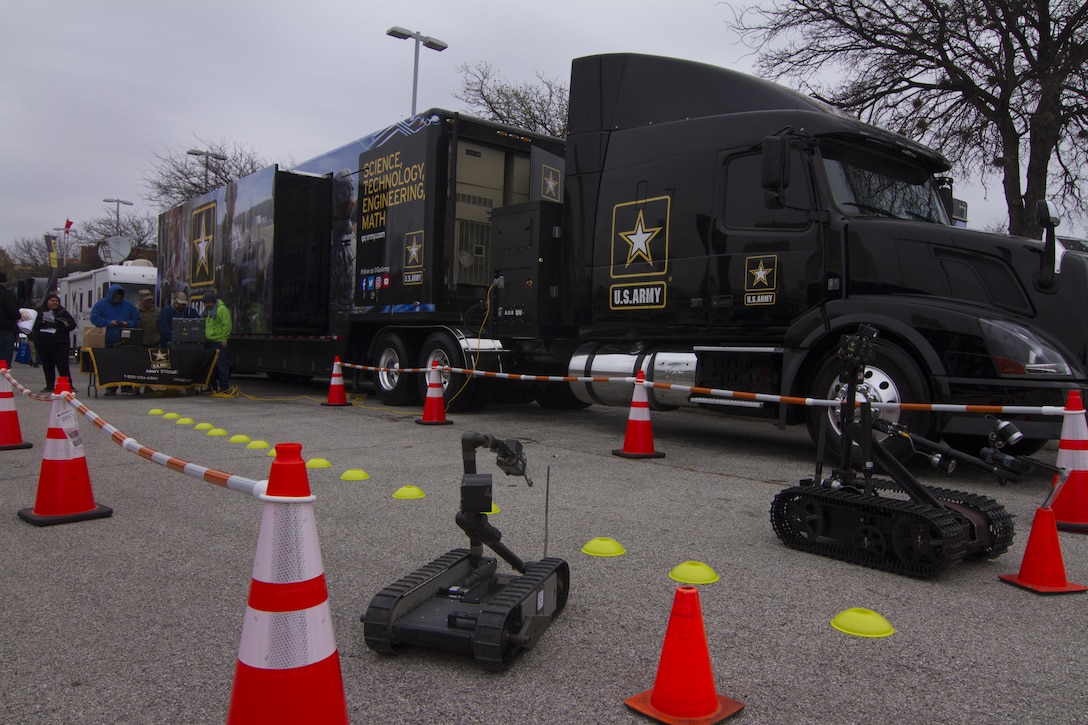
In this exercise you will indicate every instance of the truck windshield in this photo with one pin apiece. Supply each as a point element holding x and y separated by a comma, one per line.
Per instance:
<point>865,183</point>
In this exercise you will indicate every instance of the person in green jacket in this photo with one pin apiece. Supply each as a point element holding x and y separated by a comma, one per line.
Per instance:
<point>217,329</point>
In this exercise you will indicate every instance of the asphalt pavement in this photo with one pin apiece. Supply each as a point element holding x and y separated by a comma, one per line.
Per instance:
<point>137,618</point>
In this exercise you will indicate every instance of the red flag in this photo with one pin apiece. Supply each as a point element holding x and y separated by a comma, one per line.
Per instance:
<point>67,224</point>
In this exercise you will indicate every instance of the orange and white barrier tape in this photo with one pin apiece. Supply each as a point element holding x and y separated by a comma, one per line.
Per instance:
<point>180,465</point>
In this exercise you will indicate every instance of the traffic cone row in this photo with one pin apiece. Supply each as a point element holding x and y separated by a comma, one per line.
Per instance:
<point>434,407</point>
<point>683,690</point>
<point>288,666</point>
<point>638,442</point>
<point>337,396</point>
<point>1071,504</point>
<point>11,437</point>
<point>64,483</point>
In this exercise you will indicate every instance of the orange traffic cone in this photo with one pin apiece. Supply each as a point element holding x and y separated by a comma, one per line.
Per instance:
<point>1043,570</point>
<point>288,667</point>
<point>10,435</point>
<point>337,397</point>
<point>683,690</point>
<point>64,484</point>
<point>434,407</point>
<point>1071,504</point>
<point>639,439</point>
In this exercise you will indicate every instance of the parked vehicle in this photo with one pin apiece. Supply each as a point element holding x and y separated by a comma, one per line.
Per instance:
<point>703,226</point>
<point>80,290</point>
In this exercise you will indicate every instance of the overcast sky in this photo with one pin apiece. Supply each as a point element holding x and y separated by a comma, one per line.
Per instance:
<point>92,90</point>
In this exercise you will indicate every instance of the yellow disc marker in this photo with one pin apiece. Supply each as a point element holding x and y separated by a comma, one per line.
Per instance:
<point>257,444</point>
<point>603,546</point>
<point>217,432</point>
<point>170,416</point>
<point>409,492</point>
<point>318,463</point>
<point>203,426</point>
<point>862,622</point>
<point>693,572</point>
<point>354,474</point>
<point>155,411</point>
<point>239,438</point>
<point>184,421</point>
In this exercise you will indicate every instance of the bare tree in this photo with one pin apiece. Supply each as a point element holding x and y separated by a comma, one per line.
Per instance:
<point>998,85</point>
<point>539,107</point>
<point>32,253</point>
<point>140,231</point>
<point>178,176</point>
<point>7,264</point>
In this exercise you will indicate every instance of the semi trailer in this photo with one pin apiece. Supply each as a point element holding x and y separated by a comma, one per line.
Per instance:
<point>703,226</point>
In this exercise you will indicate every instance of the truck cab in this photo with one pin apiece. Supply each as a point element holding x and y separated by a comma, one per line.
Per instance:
<point>727,231</point>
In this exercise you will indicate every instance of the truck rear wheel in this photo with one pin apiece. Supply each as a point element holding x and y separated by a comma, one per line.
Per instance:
<point>460,391</point>
<point>891,377</point>
<point>392,386</point>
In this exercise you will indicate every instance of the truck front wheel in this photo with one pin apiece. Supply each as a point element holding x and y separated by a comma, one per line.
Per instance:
<point>891,377</point>
<point>392,386</point>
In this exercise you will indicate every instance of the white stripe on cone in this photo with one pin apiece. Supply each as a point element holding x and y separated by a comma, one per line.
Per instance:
<point>287,545</point>
<point>287,640</point>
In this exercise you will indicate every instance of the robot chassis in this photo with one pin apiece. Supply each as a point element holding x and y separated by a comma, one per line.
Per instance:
<point>459,602</point>
<point>895,523</point>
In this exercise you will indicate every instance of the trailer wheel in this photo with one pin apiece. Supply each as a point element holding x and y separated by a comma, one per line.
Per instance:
<point>461,392</point>
<point>392,386</point>
<point>891,377</point>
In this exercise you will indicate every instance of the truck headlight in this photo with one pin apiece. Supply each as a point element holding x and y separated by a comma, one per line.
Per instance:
<point>1017,350</point>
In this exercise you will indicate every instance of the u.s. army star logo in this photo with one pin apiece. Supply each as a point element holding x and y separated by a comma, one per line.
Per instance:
<point>413,250</point>
<point>550,187</point>
<point>760,283</point>
<point>202,254</point>
<point>640,238</point>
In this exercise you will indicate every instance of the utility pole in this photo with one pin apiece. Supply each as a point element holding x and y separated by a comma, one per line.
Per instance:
<point>207,155</point>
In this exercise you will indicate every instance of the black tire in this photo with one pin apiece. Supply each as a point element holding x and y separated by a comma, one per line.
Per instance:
<point>461,392</point>
<point>891,377</point>
<point>972,444</point>
<point>391,386</point>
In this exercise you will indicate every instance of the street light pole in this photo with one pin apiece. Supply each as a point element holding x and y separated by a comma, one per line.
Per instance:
<point>433,43</point>
<point>207,155</point>
<point>118,202</point>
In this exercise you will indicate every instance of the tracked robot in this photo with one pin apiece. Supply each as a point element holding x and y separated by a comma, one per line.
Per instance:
<point>460,602</point>
<point>893,522</point>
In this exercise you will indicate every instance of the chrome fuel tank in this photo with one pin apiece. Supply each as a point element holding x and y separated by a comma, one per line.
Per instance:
<point>608,360</point>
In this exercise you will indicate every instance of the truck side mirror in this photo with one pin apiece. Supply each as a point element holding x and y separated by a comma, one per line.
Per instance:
<point>1046,216</point>
<point>775,170</point>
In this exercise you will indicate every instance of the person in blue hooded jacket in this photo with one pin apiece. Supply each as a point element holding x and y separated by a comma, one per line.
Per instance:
<point>115,313</point>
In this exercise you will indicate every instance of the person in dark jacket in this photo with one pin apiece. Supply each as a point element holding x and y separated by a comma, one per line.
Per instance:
<point>9,319</point>
<point>178,307</point>
<point>115,313</point>
<point>51,334</point>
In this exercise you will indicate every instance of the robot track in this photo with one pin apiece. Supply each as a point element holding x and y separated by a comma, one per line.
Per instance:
<point>425,608</point>
<point>900,536</point>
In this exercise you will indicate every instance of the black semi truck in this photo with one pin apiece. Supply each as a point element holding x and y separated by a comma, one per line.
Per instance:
<point>708,228</point>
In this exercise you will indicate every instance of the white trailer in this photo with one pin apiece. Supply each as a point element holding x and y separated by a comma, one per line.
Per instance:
<point>80,290</point>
